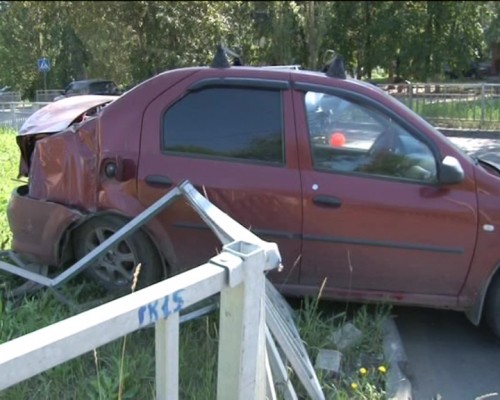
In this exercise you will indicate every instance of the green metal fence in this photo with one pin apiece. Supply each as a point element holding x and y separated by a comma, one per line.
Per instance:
<point>452,105</point>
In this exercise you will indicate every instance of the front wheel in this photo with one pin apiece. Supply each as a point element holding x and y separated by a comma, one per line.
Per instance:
<point>115,269</point>
<point>492,306</point>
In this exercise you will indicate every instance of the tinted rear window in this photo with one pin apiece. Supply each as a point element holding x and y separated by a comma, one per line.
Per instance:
<point>227,122</point>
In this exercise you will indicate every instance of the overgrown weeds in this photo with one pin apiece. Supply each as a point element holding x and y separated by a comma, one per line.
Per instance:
<point>125,368</point>
<point>363,367</point>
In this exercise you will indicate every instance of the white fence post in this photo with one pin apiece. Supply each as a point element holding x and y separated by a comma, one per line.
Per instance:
<point>241,362</point>
<point>13,115</point>
<point>167,358</point>
<point>483,104</point>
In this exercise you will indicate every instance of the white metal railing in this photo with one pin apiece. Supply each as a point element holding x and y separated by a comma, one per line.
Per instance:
<point>247,367</point>
<point>45,96</point>
<point>14,114</point>
<point>10,97</point>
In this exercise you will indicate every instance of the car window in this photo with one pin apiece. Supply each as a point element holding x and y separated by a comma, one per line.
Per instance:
<point>349,137</point>
<point>238,123</point>
<point>106,87</point>
<point>76,87</point>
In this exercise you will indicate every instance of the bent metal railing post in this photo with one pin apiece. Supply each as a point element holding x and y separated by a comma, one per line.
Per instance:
<point>245,369</point>
<point>94,255</point>
<point>237,273</point>
<point>159,304</point>
<point>278,317</point>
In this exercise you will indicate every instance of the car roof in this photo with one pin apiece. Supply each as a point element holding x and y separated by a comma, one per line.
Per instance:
<point>154,85</point>
<point>285,73</point>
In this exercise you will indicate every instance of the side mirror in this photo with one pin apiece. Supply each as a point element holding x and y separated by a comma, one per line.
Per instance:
<point>450,171</point>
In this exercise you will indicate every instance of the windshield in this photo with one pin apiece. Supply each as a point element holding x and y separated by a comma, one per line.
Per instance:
<point>432,127</point>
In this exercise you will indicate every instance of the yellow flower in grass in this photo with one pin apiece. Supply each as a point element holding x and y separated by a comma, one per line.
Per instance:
<point>354,385</point>
<point>363,371</point>
<point>382,369</point>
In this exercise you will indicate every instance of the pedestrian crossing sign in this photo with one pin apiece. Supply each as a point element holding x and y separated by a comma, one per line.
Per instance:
<point>43,65</point>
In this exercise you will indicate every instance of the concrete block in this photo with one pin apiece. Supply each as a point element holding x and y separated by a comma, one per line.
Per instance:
<point>347,336</point>
<point>329,360</point>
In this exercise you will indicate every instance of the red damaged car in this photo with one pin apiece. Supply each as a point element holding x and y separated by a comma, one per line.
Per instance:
<point>360,193</point>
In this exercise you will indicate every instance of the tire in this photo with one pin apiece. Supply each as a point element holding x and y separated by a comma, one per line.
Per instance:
<point>492,306</point>
<point>114,271</point>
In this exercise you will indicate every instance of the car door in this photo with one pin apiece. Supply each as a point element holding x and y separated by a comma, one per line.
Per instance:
<point>376,220</point>
<point>235,141</point>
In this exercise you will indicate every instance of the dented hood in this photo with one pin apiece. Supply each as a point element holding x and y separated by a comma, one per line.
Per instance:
<point>59,115</point>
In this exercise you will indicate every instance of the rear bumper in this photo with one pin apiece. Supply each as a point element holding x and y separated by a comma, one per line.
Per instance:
<point>38,227</point>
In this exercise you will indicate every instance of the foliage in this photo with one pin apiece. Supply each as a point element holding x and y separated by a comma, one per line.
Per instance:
<point>491,22</point>
<point>9,161</point>
<point>132,41</point>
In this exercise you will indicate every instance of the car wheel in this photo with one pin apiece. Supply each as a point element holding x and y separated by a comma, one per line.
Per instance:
<point>114,271</point>
<point>492,306</point>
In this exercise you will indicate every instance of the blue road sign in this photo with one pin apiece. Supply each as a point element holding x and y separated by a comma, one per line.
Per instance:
<point>43,65</point>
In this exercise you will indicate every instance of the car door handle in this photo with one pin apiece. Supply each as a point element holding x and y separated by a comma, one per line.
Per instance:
<point>328,201</point>
<point>158,180</point>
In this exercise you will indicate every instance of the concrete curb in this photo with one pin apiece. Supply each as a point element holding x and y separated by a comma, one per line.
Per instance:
<point>398,385</point>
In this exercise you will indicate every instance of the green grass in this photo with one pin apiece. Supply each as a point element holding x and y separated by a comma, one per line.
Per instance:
<point>462,114</point>
<point>100,374</point>
<point>9,162</point>
<point>317,320</point>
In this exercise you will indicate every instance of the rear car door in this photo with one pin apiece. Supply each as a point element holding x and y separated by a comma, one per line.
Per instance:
<point>235,141</point>
<point>376,220</point>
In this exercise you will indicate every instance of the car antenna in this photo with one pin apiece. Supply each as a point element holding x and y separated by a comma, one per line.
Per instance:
<point>337,68</point>
<point>220,58</point>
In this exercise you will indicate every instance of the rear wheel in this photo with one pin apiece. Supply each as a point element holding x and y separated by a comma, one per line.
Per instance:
<point>115,269</point>
<point>492,306</point>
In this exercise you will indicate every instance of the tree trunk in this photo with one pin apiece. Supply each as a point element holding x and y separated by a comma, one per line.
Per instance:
<point>312,34</point>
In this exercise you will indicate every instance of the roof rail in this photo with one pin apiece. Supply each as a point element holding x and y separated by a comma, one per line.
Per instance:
<point>336,69</point>
<point>294,67</point>
<point>220,58</point>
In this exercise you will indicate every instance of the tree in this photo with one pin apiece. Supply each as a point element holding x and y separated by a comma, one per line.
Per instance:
<point>132,41</point>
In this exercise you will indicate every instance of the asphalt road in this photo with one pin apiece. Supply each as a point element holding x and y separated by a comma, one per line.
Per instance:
<point>448,357</point>
<point>486,148</point>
